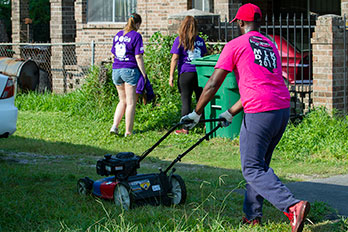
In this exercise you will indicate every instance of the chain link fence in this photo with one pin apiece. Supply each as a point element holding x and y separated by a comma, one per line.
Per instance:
<point>65,65</point>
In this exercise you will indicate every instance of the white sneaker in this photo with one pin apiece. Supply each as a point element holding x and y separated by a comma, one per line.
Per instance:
<point>114,130</point>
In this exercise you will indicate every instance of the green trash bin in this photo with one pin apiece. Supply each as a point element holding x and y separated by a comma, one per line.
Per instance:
<point>226,96</point>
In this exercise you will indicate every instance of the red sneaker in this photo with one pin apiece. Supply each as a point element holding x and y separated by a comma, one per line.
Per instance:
<point>255,221</point>
<point>297,215</point>
<point>182,131</point>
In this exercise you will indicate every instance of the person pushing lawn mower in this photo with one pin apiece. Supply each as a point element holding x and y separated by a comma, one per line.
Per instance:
<point>266,102</point>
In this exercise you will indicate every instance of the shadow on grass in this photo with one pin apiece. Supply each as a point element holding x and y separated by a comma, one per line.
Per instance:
<point>199,179</point>
<point>18,144</point>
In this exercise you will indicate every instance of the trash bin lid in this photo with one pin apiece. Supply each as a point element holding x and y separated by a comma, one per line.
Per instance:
<point>206,60</point>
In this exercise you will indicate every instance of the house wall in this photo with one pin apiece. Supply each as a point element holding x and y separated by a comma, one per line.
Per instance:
<point>222,7</point>
<point>69,24</point>
<point>154,15</point>
<point>344,8</point>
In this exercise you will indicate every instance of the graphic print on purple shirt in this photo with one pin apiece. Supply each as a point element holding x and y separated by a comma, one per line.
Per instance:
<point>263,51</point>
<point>125,48</point>
<point>186,56</point>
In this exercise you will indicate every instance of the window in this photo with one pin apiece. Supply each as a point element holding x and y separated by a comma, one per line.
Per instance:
<point>110,10</point>
<point>203,5</point>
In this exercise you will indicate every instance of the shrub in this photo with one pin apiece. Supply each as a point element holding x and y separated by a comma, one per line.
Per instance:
<point>98,100</point>
<point>157,60</point>
<point>319,136</point>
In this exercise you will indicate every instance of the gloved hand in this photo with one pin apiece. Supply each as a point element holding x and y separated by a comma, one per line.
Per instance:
<point>228,118</point>
<point>190,120</point>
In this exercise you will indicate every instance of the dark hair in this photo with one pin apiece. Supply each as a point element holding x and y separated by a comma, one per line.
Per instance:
<point>188,32</point>
<point>133,19</point>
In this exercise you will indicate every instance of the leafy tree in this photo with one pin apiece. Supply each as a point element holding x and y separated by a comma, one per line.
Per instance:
<point>5,15</point>
<point>39,12</point>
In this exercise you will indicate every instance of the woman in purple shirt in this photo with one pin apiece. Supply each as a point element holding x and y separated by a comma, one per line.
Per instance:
<point>128,64</point>
<point>186,47</point>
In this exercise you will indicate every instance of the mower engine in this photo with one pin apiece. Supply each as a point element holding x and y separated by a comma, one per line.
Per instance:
<point>122,165</point>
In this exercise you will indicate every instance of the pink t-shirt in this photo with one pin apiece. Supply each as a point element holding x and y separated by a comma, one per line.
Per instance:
<point>256,64</point>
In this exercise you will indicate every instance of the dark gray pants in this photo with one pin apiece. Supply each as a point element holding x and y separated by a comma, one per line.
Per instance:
<point>188,83</point>
<point>259,135</point>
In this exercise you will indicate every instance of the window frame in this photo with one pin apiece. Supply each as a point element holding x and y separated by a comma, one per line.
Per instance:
<point>113,14</point>
<point>203,2</point>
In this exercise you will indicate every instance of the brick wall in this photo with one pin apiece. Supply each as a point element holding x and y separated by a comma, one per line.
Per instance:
<point>155,14</point>
<point>63,29</point>
<point>154,18</point>
<point>328,63</point>
<point>222,7</point>
<point>20,11</point>
<point>88,32</point>
<point>344,7</point>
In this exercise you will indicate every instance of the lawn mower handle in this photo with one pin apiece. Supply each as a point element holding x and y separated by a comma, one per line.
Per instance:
<point>174,127</point>
<point>206,136</point>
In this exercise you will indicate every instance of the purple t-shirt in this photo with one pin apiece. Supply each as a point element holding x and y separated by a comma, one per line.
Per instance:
<point>186,56</point>
<point>125,47</point>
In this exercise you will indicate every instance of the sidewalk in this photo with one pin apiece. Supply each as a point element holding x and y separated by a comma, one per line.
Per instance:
<point>332,190</point>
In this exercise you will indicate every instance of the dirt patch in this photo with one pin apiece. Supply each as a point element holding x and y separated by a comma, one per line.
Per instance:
<point>29,158</point>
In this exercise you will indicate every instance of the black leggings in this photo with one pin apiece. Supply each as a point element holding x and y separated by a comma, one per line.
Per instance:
<point>188,83</point>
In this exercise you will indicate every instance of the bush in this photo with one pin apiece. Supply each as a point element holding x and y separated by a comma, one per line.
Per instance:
<point>319,136</point>
<point>157,60</point>
<point>98,100</point>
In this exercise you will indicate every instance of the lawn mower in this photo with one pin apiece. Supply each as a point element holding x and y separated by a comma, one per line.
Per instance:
<point>127,188</point>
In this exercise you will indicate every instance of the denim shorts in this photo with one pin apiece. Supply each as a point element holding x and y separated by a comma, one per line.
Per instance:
<point>128,75</point>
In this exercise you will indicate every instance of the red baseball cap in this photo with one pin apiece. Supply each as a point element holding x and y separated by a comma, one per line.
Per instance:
<point>247,12</point>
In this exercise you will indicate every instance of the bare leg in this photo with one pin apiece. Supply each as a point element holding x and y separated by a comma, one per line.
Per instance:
<point>121,106</point>
<point>130,108</point>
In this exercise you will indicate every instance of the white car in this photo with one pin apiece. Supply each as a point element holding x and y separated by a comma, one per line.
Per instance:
<point>8,111</point>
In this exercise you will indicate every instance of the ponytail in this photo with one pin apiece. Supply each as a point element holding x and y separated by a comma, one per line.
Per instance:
<point>133,19</point>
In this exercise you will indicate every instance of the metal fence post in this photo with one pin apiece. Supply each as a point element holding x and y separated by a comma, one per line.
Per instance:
<point>93,53</point>
<point>344,64</point>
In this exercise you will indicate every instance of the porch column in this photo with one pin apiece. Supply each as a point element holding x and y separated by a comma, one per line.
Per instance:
<point>56,27</point>
<point>328,63</point>
<point>63,30</point>
<point>20,11</point>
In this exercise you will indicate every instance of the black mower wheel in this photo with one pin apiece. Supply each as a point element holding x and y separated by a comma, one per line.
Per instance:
<point>178,190</point>
<point>83,187</point>
<point>122,196</point>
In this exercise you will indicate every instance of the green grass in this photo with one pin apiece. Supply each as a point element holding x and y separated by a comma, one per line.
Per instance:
<point>319,137</point>
<point>59,138</point>
<point>41,163</point>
